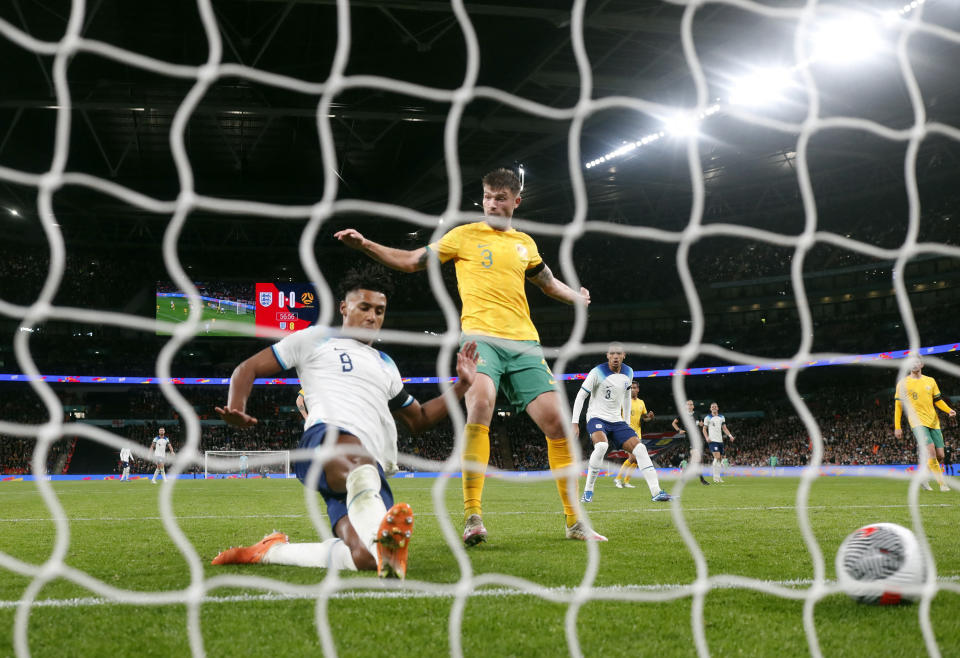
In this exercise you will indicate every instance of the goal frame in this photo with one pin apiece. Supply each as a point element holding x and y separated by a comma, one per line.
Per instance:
<point>256,457</point>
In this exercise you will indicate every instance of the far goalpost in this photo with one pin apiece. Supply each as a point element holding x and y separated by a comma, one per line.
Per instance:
<point>263,463</point>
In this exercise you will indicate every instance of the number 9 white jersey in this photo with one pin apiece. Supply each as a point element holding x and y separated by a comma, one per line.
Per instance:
<point>348,384</point>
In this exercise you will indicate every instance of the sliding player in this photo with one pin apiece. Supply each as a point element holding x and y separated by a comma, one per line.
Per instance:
<point>160,445</point>
<point>354,393</point>
<point>918,394</point>
<point>714,427</point>
<point>638,412</point>
<point>607,387</point>
<point>696,455</point>
<point>493,261</point>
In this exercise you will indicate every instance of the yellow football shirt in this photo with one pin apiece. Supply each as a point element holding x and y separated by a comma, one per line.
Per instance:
<point>917,395</point>
<point>637,410</point>
<point>491,270</point>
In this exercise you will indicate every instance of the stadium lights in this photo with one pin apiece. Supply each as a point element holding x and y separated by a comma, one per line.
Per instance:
<point>762,87</point>
<point>846,40</point>
<point>678,126</point>
<point>842,40</point>
<point>14,212</point>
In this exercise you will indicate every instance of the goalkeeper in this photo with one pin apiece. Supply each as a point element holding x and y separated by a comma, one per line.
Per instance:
<point>493,261</point>
<point>354,393</point>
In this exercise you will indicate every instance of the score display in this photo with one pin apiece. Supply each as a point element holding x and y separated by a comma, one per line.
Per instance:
<point>285,306</point>
<point>274,306</point>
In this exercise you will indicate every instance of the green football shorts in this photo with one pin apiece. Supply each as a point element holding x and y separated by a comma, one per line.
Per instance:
<point>515,366</point>
<point>927,435</point>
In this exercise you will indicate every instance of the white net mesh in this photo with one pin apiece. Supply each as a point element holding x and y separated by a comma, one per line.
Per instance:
<point>911,27</point>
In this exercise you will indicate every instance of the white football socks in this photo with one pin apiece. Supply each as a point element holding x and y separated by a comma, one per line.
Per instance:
<point>716,470</point>
<point>596,461</point>
<point>646,467</point>
<point>365,507</point>
<point>330,554</point>
<point>126,474</point>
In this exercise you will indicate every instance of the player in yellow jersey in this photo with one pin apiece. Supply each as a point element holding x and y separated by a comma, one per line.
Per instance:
<point>917,394</point>
<point>493,261</point>
<point>638,412</point>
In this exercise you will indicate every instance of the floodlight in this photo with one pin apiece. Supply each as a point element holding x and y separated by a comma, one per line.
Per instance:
<point>681,125</point>
<point>761,88</point>
<point>846,40</point>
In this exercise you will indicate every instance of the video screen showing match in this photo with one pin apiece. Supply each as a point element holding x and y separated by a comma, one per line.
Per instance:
<point>285,306</point>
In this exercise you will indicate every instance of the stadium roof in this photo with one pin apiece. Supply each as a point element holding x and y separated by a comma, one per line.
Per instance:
<point>253,141</point>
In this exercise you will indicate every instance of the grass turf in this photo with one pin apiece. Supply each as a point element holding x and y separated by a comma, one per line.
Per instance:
<point>746,527</point>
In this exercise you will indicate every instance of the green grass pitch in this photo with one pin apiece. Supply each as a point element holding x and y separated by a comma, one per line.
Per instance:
<point>165,314</point>
<point>746,527</point>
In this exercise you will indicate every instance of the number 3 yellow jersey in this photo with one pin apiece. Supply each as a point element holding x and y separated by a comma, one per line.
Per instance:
<point>491,272</point>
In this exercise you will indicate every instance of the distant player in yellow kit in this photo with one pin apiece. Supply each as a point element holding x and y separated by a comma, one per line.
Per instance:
<point>638,412</point>
<point>918,394</point>
<point>493,262</point>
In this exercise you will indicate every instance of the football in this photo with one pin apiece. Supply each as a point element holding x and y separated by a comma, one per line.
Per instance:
<point>876,562</point>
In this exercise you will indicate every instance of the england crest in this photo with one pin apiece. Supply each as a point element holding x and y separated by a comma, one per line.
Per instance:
<point>266,298</point>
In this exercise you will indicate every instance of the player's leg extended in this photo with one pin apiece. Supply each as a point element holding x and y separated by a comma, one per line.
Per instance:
<point>545,412</point>
<point>356,496</point>
<point>600,446</point>
<point>481,399</point>
<point>647,469</point>
<point>715,471</point>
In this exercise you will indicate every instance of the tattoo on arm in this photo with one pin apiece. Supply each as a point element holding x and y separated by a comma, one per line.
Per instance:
<point>543,278</point>
<point>422,261</point>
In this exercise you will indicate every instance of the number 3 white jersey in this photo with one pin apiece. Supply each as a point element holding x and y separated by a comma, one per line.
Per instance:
<point>714,426</point>
<point>348,384</point>
<point>609,394</point>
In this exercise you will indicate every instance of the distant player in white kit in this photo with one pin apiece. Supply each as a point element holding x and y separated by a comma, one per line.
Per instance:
<point>125,456</point>
<point>160,445</point>
<point>714,427</point>
<point>608,386</point>
<point>354,395</point>
<point>244,461</point>
<point>696,454</point>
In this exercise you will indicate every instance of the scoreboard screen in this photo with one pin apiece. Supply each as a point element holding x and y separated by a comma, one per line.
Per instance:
<point>284,306</point>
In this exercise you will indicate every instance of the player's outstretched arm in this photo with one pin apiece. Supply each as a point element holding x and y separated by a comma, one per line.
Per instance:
<point>554,287</point>
<point>421,417</point>
<point>262,364</point>
<point>396,259</point>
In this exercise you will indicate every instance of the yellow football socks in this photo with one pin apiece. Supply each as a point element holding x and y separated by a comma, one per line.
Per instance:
<point>477,449</point>
<point>935,468</point>
<point>558,455</point>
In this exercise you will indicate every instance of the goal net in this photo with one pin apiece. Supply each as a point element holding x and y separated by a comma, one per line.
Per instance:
<point>613,127</point>
<point>263,463</point>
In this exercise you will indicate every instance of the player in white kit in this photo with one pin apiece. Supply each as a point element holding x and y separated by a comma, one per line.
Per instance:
<point>354,394</point>
<point>714,427</point>
<point>160,445</point>
<point>608,387</point>
<point>696,454</point>
<point>125,456</point>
